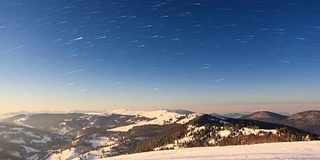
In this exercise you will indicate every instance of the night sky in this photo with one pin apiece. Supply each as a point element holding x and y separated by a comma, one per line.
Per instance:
<point>201,55</point>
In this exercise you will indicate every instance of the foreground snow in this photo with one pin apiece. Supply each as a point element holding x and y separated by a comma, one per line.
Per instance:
<point>289,150</point>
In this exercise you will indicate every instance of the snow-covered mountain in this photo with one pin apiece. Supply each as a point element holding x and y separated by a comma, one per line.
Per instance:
<point>20,142</point>
<point>307,120</point>
<point>99,135</point>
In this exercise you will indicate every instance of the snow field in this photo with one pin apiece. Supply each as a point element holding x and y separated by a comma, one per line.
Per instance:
<point>159,117</point>
<point>283,151</point>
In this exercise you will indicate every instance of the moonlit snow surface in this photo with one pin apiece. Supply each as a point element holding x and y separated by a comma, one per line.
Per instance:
<point>289,150</point>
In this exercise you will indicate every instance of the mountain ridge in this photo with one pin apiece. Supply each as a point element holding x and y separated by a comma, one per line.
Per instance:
<point>306,120</point>
<point>99,135</point>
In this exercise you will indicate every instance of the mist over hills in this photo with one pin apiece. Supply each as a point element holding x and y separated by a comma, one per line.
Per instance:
<point>99,135</point>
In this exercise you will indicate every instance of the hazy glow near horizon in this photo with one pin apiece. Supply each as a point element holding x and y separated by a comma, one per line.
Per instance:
<point>200,55</point>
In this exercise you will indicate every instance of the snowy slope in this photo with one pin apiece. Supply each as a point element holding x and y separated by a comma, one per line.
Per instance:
<point>159,117</point>
<point>20,121</point>
<point>100,135</point>
<point>289,150</point>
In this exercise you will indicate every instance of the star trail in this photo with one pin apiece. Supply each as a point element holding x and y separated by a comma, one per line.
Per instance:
<point>201,55</point>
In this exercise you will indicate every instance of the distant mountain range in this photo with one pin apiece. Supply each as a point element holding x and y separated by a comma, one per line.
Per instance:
<point>308,120</point>
<point>49,136</point>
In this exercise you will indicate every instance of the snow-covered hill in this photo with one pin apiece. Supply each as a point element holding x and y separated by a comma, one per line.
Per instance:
<point>158,117</point>
<point>100,135</point>
<point>307,120</point>
<point>290,150</point>
<point>20,142</point>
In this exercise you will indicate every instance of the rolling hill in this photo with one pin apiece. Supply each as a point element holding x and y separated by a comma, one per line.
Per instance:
<point>100,135</point>
<point>307,120</point>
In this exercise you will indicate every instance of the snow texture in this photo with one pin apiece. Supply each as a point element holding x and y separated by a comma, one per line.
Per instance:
<point>20,121</point>
<point>30,150</point>
<point>289,150</point>
<point>101,141</point>
<point>159,117</point>
<point>248,131</point>
<point>224,133</point>
<point>17,141</point>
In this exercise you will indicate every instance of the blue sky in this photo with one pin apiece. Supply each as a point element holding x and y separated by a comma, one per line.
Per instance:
<point>207,56</point>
